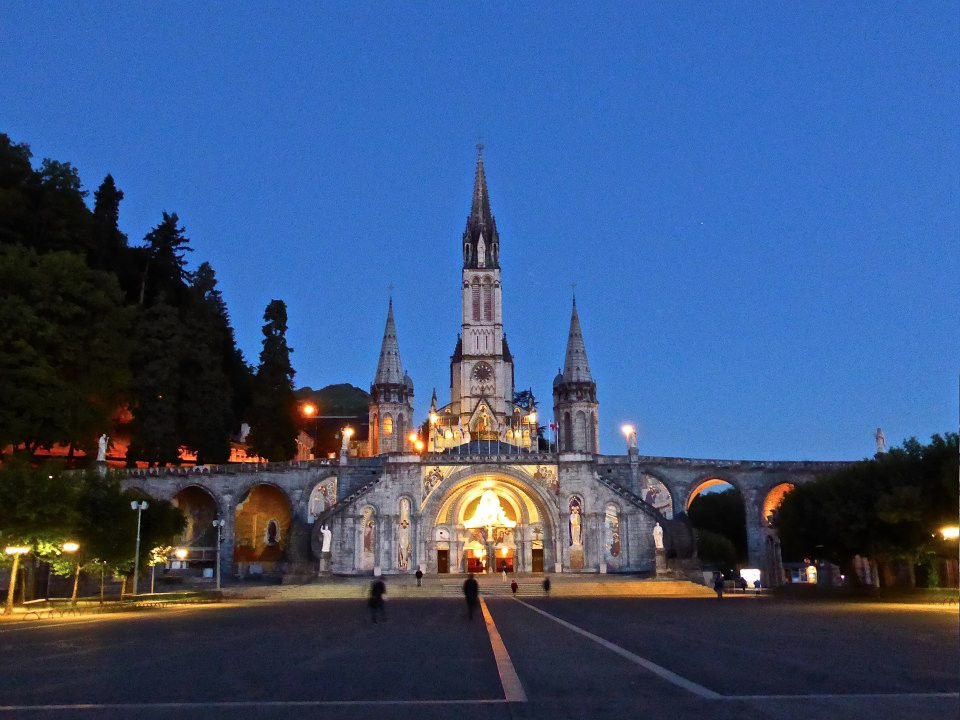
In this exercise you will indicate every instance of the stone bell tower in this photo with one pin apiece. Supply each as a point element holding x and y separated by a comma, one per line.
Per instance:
<point>575,407</point>
<point>391,396</point>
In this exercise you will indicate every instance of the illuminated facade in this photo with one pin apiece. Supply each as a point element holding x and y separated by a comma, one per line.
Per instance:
<point>473,487</point>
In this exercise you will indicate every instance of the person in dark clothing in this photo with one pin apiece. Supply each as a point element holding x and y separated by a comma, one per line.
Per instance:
<point>718,585</point>
<point>419,575</point>
<point>375,601</point>
<point>514,587</point>
<point>546,586</point>
<point>471,591</point>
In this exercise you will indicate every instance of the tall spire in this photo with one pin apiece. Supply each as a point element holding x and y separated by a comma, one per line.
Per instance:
<point>576,368</point>
<point>481,224</point>
<point>389,368</point>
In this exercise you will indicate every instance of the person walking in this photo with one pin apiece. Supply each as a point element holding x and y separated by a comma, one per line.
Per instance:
<point>514,587</point>
<point>546,586</point>
<point>377,590</point>
<point>471,591</point>
<point>419,576</point>
<point>718,584</point>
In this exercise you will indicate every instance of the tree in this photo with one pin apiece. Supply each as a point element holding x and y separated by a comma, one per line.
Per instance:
<point>886,508</point>
<point>19,189</point>
<point>63,349</point>
<point>273,415</point>
<point>206,395</point>
<point>156,358</point>
<point>165,269</point>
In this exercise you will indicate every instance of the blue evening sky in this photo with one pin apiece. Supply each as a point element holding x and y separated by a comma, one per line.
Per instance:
<point>758,202</point>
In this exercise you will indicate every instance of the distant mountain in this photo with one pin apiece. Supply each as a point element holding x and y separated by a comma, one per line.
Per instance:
<point>340,399</point>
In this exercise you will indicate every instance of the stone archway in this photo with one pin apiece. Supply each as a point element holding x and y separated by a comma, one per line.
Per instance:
<point>263,520</point>
<point>520,536</point>
<point>199,537</point>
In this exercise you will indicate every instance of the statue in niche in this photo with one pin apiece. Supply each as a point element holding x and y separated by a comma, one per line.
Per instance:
<point>403,535</point>
<point>483,425</point>
<point>432,479</point>
<point>576,531</point>
<point>613,530</point>
<point>327,535</point>
<point>615,544</point>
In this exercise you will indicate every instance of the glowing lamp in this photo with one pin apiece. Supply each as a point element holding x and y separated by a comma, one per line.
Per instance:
<point>308,409</point>
<point>16,550</point>
<point>71,546</point>
<point>418,445</point>
<point>412,437</point>
<point>533,418</point>
<point>951,532</point>
<point>434,418</point>
<point>627,430</point>
<point>181,553</point>
<point>348,432</point>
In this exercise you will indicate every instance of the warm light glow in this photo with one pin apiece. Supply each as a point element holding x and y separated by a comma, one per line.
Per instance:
<point>348,432</point>
<point>532,417</point>
<point>308,409</point>
<point>412,437</point>
<point>951,532</point>
<point>434,418</point>
<point>71,546</point>
<point>489,513</point>
<point>181,553</point>
<point>448,434</point>
<point>16,550</point>
<point>628,430</point>
<point>419,445</point>
<point>751,575</point>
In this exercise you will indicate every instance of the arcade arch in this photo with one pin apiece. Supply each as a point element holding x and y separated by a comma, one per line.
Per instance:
<point>262,521</point>
<point>200,509</point>
<point>772,501</point>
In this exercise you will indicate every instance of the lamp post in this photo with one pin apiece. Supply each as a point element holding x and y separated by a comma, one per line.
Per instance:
<point>630,432</point>
<point>71,548</point>
<point>218,524</point>
<point>139,506</point>
<point>16,552</point>
<point>311,412</point>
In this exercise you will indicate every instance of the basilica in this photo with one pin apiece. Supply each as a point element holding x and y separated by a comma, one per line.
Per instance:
<point>475,486</point>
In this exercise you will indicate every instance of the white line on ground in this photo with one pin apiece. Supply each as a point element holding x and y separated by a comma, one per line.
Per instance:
<point>845,696</point>
<point>661,672</point>
<point>512,688</point>
<point>239,704</point>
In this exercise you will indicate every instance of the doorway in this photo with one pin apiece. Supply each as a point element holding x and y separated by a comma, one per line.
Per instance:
<point>536,560</point>
<point>443,561</point>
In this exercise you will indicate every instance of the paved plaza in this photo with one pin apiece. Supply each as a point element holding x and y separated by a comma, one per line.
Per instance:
<point>556,657</point>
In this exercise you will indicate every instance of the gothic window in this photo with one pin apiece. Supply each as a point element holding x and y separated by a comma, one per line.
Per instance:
<point>374,434</point>
<point>481,252</point>
<point>466,253</point>
<point>580,431</point>
<point>387,425</point>
<point>567,432</point>
<point>400,429</point>
<point>593,432</point>
<point>487,300</point>
<point>476,300</point>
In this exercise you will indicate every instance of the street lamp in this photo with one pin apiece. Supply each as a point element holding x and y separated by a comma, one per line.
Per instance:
<point>139,506</point>
<point>16,551</point>
<point>951,532</point>
<point>630,432</point>
<point>312,412</point>
<point>218,524</point>
<point>71,547</point>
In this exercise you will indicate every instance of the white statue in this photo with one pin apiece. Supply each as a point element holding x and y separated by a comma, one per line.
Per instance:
<point>576,536</point>
<point>325,532</point>
<point>102,444</point>
<point>658,536</point>
<point>881,441</point>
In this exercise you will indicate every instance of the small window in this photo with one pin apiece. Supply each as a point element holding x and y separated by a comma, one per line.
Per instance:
<point>387,425</point>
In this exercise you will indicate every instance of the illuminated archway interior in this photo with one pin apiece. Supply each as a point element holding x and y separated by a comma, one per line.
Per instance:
<point>773,500</point>
<point>713,485</point>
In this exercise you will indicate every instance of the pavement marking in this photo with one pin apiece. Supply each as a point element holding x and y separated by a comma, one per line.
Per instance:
<point>240,704</point>
<point>512,688</point>
<point>845,696</point>
<point>662,672</point>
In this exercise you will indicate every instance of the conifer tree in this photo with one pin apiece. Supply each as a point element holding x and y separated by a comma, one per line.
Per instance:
<point>273,415</point>
<point>165,266</point>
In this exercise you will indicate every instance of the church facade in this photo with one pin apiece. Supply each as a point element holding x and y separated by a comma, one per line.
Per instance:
<point>474,487</point>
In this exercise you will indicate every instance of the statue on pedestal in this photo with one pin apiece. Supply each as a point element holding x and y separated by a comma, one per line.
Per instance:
<point>102,445</point>
<point>881,441</point>
<point>658,537</point>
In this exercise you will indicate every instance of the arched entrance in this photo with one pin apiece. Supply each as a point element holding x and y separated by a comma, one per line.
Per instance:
<point>772,501</point>
<point>717,513</point>
<point>199,537</point>
<point>263,519</point>
<point>490,522</point>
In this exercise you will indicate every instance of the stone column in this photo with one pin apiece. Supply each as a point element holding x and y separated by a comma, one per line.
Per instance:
<point>228,536</point>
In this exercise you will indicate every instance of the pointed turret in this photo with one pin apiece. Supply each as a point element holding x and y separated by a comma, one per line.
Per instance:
<point>391,395</point>
<point>575,407</point>
<point>390,367</point>
<point>481,242</point>
<point>576,368</point>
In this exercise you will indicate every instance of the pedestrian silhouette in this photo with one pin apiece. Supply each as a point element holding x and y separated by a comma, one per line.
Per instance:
<point>419,575</point>
<point>471,591</point>
<point>718,585</point>
<point>514,587</point>
<point>546,586</point>
<point>375,601</point>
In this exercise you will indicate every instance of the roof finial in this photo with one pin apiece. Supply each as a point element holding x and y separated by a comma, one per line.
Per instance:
<point>573,292</point>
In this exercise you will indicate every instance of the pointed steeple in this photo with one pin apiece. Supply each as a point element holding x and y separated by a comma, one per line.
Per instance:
<point>389,368</point>
<point>576,368</point>
<point>481,224</point>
